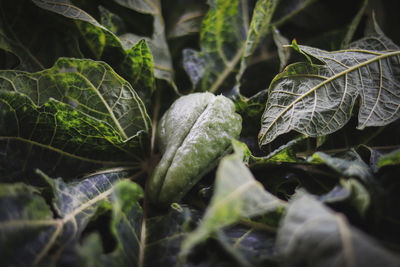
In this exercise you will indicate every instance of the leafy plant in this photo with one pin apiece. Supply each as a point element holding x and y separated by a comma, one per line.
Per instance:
<point>115,150</point>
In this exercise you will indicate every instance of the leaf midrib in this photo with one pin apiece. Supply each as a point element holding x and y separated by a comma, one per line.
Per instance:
<point>382,56</point>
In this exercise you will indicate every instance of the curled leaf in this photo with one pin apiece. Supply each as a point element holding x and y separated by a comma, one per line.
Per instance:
<point>194,133</point>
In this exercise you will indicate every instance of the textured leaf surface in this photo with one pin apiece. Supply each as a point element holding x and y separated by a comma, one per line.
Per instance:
<point>348,165</point>
<point>222,35</point>
<point>89,86</point>
<point>126,226</point>
<point>308,226</point>
<point>195,133</point>
<point>166,233</point>
<point>134,61</point>
<point>56,138</point>
<point>249,246</point>
<point>317,100</point>
<point>157,43</point>
<point>28,216</point>
<point>228,39</point>
<point>237,195</point>
<point>284,154</point>
<point>259,27</point>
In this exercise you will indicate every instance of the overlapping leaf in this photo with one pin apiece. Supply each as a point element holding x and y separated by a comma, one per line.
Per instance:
<point>284,154</point>
<point>157,43</point>
<point>222,37</point>
<point>313,235</point>
<point>89,86</point>
<point>126,226</point>
<point>249,246</point>
<point>184,17</point>
<point>58,139</point>
<point>82,37</point>
<point>237,195</point>
<point>26,216</point>
<point>317,100</point>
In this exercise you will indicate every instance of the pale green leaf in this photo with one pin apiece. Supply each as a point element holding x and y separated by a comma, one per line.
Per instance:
<point>283,51</point>
<point>313,235</point>
<point>317,100</point>
<point>237,196</point>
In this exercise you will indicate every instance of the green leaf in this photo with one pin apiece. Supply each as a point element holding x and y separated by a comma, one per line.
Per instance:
<point>284,154</point>
<point>287,9</point>
<point>317,100</point>
<point>225,41</point>
<point>58,139</point>
<point>237,196</point>
<point>281,43</point>
<point>389,159</point>
<point>111,21</point>
<point>126,227</point>
<point>53,236</point>
<point>26,225</point>
<point>222,36</point>
<point>157,43</point>
<point>249,246</point>
<point>309,226</point>
<point>348,165</point>
<point>195,133</point>
<point>90,87</point>
<point>184,17</point>
<point>134,62</point>
<point>259,27</point>
<point>165,234</point>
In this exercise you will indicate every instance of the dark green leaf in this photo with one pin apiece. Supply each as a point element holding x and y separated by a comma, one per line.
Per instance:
<point>126,226</point>
<point>313,235</point>
<point>53,236</point>
<point>58,139</point>
<point>31,44</point>
<point>249,246</point>
<point>133,61</point>
<point>222,36</point>
<point>88,86</point>
<point>184,17</point>
<point>226,40</point>
<point>237,195</point>
<point>349,165</point>
<point>157,43</point>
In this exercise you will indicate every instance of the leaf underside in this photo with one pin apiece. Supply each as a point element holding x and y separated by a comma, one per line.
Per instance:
<point>317,100</point>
